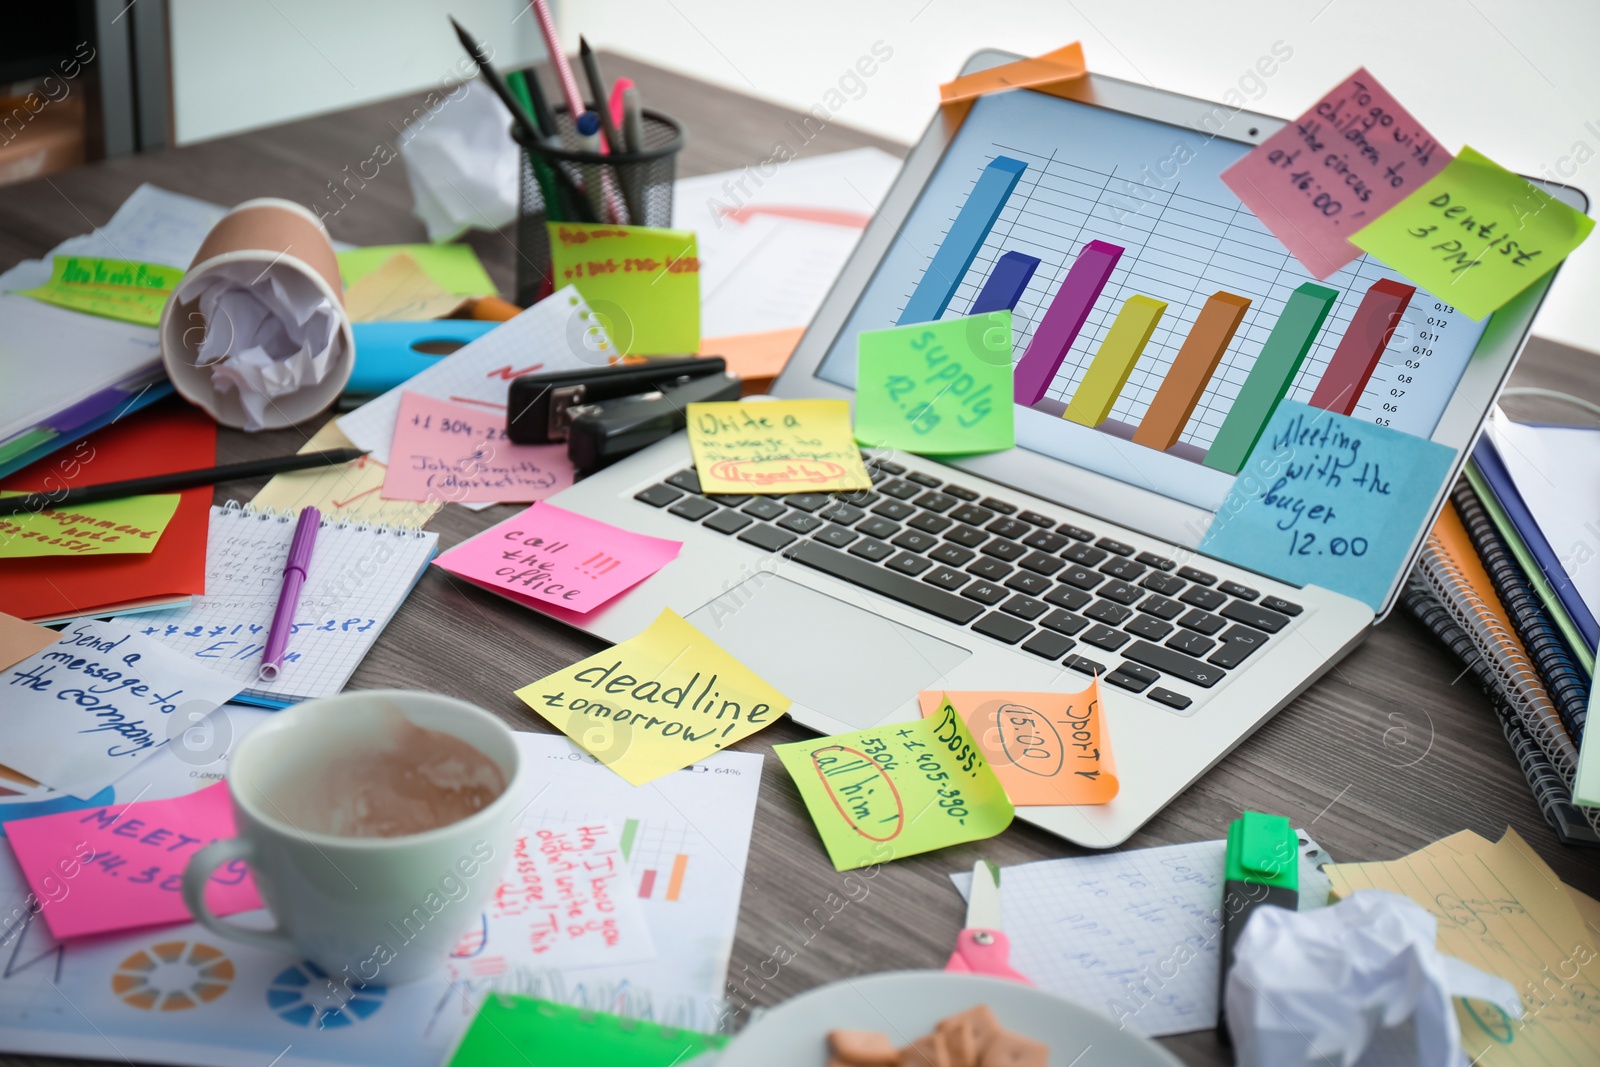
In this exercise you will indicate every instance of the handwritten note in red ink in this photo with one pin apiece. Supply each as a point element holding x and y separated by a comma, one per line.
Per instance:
<point>565,900</point>
<point>121,867</point>
<point>455,453</point>
<point>1353,156</point>
<point>549,556</point>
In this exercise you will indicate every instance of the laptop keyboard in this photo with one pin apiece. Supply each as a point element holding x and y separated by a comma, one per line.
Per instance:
<point>1059,591</point>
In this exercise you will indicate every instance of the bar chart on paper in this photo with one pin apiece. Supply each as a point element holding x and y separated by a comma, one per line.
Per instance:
<point>659,858</point>
<point>1171,318</point>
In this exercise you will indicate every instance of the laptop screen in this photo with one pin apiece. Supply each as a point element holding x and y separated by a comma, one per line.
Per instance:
<point>1176,235</point>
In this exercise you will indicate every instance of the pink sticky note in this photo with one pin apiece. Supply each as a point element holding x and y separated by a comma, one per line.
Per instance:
<point>457,453</point>
<point>121,866</point>
<point>1352,157</point>
<point>548,557</point>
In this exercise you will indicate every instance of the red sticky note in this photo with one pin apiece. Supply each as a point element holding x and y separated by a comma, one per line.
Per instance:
<point>1356,154</point>
<point>549,557</point>
<point>458,454</point>
<point>121,866</point>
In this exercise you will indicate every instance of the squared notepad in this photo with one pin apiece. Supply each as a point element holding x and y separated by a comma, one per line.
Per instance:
<point>359,575</point>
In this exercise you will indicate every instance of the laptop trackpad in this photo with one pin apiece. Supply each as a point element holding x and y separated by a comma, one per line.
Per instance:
<point>842,660</point>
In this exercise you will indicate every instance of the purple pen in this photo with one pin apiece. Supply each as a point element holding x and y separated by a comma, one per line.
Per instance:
<point>294,578</point>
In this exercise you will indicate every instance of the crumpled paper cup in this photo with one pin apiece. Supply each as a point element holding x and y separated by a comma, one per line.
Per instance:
<point>266,237</point>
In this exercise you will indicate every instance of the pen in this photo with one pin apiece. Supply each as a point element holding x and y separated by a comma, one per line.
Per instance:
<point>618,87</point>
<point>589,141</point>
<point>294,579</point>
<point>178,480</point>
<point>1263,870</point>
<point>597,86</point>
<point>633,133</point>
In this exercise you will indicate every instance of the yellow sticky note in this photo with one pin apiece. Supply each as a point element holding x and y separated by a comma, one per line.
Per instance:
<point>456,267</point>
<point>399,291</point>
<point>642,283</point>
<point>897,789</point>
<point>775,446</point>
<point>114,288</point>
<point>131,526</point>
<point>1475,235</point>
<point>657,702</point>
<point>349,492</point>
<point>1046,748</point>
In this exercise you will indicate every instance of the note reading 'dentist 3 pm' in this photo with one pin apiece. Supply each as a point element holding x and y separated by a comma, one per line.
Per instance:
<point>88,709</point>
<point>1476,235</point>
<point>656,702</point>
<point>458,454</point>
<point>1046,748</point>
<point>549,557</point>
<point>898,789</point>
<point>937,388</point>
<point>129,862</point>
<point>1326,499</point>
<point>1354,155</point>
<point>775,446</point>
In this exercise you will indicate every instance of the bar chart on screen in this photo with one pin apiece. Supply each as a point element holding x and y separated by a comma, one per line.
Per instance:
<point>1175,320</point>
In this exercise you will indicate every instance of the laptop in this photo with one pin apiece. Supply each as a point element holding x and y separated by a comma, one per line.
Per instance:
<point>1075,554</point>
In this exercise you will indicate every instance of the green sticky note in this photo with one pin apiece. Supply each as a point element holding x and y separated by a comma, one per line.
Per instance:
<point>114,288</point>
<point>1475,235</point>
<point>510,1029</point>
<point>455,267</point>
<point>898,789</point>
<point>130,526</point>
<point>1327,499</point>
<point>643,284</point>
<point>937,388</point>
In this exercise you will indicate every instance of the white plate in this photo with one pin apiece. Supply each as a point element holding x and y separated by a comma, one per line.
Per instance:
<point>906,1004</point>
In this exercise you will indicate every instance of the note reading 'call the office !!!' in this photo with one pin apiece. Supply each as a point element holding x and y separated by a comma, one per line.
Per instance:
<point>657,702</point>
<point>898,789</point>
<point>775,446</point>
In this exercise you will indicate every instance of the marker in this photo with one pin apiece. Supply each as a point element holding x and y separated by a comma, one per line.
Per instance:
<point>1263,870</point>
<point>294,579</point>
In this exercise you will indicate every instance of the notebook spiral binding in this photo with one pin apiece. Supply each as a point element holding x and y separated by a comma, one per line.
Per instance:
<point>1574,825</point>
<point>286,515</point>
<point>1510,666</point>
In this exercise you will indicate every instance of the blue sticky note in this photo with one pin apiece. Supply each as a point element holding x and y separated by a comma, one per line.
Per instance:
<point>1329,500</point>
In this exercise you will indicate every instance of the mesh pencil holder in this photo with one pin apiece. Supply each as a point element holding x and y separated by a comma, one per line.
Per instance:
<point>637,182</point>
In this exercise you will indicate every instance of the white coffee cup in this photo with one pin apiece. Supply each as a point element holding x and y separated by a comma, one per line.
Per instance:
<point>383,910</point>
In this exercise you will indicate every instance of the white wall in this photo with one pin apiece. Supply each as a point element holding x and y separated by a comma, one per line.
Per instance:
<point>238,66</point>
<point>1517,79</point>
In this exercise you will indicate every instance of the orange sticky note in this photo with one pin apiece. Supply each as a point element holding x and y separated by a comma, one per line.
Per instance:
<point>19,640</point>
<point>1046,748</point>
<point>1039,73</point>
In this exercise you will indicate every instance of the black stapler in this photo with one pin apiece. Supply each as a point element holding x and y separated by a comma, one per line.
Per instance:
<point>606,413</point>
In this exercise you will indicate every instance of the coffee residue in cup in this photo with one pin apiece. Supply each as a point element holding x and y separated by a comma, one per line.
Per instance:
<point>403,779</point>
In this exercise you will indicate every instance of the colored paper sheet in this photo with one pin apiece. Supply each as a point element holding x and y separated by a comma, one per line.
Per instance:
<point>508,1028</point>
<point>132,525</point>
<point>18,641</point>
<point>642,283</point>
<point>898,789</point>
<point>775,446</point>
<point>1329,500</point>
<point>757,357</point>
<point>566,895</point>
<point>1344,163</point>
<point>1065,64</point>
<point>124,863</point>
<point>457,454</point>
<point>656,702</point>
<point>350,492</point>
<point>1475,235</point>
<point>1046,748</point>
<point>114,288</point>
<point>399,291</point>
<point>1502,909</point>
<point>550,556</point>
<point>168,436</point>
<point>937,388</point>
<point>89,708</point>
<point>455,267</point>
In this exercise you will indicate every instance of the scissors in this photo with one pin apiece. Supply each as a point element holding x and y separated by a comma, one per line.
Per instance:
<point>982,947</point>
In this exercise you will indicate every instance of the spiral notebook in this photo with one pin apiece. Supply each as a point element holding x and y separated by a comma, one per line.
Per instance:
<point>359,575</point>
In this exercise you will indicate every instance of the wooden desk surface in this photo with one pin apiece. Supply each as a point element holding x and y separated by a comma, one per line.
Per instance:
<point>1388,752</point>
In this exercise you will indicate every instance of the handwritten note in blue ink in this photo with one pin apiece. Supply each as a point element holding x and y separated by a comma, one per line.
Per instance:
<point>1329,500</point>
